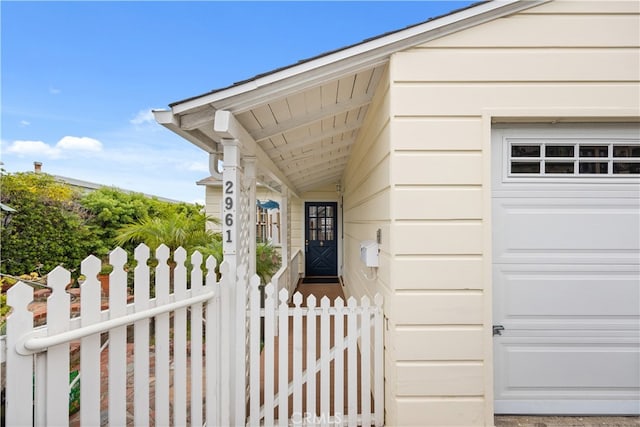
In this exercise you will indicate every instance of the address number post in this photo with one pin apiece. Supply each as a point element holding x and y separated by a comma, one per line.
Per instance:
<point>229,203</point>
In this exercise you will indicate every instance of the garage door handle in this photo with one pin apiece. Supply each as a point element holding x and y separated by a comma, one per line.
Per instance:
<point>497,330</point>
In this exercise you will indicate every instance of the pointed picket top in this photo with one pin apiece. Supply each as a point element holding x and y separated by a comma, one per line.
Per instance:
<point>365,301</point>
<point>224,269</point>
<point>180,256</point>
<point>297,299</point>
<point>141,253</point>
<point>118,258</point>
<point>283,295</point>
<point>352,304</point>
<point>90,289</point>
<point>378,300</point>
<point>162,253</point>
<point>338,303</point>
<point>211,263</point>
<point>268,290</point>
<point>325,302</point>
<point>211,278</point>
<point>18,297</point>
<point>58,279</point>
<point>90,268</point>
<point>311,301</point>
<point>196,260</point>
<point>254,282</point>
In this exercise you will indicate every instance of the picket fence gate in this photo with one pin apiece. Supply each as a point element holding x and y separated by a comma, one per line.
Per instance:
<point>338,327</point>
<point>171,346</point>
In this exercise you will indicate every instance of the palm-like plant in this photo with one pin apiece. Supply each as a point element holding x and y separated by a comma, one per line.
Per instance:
<point>174,230</point>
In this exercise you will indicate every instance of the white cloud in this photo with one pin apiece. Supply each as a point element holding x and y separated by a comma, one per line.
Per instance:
<point>75,143</point>
<point>54,91</point>
<point>24,123</point>
<point>143,116</point>
<point>40,148</point>
<point>66,145</point>
<point>196,166</point>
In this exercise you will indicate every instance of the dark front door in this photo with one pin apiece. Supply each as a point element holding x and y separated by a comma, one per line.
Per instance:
<point>321,239</point>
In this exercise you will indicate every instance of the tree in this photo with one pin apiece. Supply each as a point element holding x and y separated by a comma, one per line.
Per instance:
<point>112,209</point>
<point>48,228</point>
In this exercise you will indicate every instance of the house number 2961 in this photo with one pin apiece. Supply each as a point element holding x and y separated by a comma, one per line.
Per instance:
<point>228,206</point>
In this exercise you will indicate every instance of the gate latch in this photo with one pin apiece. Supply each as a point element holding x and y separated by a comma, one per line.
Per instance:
<point>497,330</point>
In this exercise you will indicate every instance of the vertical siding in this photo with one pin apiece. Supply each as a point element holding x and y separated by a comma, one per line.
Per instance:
<point>436,234</point>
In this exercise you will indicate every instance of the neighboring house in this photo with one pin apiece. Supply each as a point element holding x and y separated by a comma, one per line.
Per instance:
<point>267,209</point>
<point>494,154</point>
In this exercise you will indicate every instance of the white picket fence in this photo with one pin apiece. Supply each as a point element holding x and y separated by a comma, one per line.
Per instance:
<point>171,346</point>
<point>38,359</point>
<point>337,327</point>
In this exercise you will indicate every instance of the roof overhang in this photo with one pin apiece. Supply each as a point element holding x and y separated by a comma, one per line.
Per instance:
<point>300,121</point>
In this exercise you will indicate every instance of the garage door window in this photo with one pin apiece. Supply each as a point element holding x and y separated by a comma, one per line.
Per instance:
<point>560,158</point>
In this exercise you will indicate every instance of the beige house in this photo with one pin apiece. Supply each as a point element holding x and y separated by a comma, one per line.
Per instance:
<point>494,156</point>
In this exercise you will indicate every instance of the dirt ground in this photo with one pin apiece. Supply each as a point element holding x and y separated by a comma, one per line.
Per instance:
<point>550,421</point>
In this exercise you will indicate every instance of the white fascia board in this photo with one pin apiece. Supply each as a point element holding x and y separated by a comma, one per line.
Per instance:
<point>361,56</point>
<point>169,120</point>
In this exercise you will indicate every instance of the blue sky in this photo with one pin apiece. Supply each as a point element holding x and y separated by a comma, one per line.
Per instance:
<point>79,79</point>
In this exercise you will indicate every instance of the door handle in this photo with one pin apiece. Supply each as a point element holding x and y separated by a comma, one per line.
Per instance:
<point>497,330</point>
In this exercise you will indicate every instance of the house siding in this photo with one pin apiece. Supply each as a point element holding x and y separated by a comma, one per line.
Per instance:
<point>420,171</point>
<point>213,206</point>
<point>366,195</point>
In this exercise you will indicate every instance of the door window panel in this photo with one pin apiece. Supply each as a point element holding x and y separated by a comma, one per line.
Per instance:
<point>559,150</point>
<point>559,158</point>
<point>594,168</point>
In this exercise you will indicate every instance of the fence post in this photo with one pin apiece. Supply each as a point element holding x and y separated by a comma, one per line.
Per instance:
<point>231,244</point>
<point>19,398</point>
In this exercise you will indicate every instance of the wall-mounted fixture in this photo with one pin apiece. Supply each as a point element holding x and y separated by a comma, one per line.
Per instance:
<point>369,253</point>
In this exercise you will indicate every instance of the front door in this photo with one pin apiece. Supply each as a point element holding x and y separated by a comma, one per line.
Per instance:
<point>321,239</point>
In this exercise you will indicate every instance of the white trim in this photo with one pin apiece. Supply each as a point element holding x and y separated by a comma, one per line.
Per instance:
<point>571,133</point>
<point>576,176</point>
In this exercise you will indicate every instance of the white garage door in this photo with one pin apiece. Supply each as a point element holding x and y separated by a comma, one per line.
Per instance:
<point>566,269</point>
